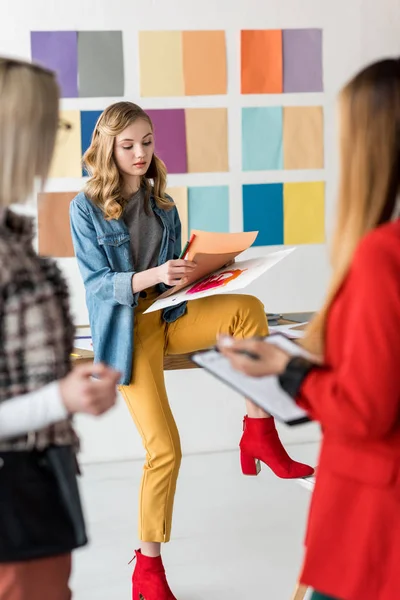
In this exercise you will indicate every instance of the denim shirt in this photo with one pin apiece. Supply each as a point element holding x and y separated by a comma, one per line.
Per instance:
<point>104,257</point>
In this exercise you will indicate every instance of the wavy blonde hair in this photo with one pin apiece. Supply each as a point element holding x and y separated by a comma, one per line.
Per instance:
<point>370,172</point>
<point>105,185</point>
<point>28,127</point>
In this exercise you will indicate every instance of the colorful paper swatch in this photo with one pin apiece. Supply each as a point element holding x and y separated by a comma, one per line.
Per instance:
<point>304,210</point>
<point>302,60</point>
<point>204,62</point>
<point>170,138</point>
<point>262,138</point>
<point>209,208</point>
<point>161,69</point>
<point>261,62</point>
<point>303,135</point>
<point>180,197</point>
<point>88,123</point>
<point>289,213</point>
<point>207,140</point>
<point>87,63</point>
<point>179,63</point>
<point>100,64</point>
<point>275,61</point>
<point>187,140</point>
<point>263,212</point>
<point>57,50</point>
<point>67,154</point>
<point>53,224</point>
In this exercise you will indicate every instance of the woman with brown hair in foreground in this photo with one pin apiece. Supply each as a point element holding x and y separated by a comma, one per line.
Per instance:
<point>353,537</point>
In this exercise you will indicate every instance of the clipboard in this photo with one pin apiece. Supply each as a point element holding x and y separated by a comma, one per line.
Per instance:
<point>265,392</point>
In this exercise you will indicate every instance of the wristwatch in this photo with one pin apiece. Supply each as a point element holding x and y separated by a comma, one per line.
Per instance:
<point>293,376</point>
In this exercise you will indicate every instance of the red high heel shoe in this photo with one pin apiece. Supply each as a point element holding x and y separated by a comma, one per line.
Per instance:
<point>149,581</point>
<point>260,442</point>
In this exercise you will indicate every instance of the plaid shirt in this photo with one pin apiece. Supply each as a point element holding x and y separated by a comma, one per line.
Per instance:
<point>36,331</point>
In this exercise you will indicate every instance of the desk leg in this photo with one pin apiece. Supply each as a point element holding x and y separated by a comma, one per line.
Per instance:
<point>299,592</point>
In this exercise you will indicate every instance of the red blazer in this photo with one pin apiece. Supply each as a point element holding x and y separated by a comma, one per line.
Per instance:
<point>353,535</point>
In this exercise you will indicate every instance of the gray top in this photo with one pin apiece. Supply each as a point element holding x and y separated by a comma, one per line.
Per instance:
<point>145,231</point>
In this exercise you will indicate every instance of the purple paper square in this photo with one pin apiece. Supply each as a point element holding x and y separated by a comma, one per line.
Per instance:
<point>302,60</point>
<point>58,51</point>
<point>170,138</point>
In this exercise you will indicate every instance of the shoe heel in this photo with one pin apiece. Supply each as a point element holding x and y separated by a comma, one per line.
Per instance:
<point>250,466</point>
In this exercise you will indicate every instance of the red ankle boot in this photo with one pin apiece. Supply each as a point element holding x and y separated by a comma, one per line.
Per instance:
<point>260,442</point>
<point>148,580</point>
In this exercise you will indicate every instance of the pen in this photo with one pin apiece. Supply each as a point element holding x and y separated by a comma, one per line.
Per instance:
<point>251,355</point>
<point>247,353</point>
<point>187,246</point>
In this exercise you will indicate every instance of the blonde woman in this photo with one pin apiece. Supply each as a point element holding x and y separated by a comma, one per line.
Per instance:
<point>353,539</point>
<point>127,238</point>
<point>40,514</point>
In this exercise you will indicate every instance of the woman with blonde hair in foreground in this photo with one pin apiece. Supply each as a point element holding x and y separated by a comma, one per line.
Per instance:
<point>353,537</point>
<point>41,519</point>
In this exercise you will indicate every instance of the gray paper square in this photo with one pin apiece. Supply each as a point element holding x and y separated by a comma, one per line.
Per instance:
<point>100,64</point>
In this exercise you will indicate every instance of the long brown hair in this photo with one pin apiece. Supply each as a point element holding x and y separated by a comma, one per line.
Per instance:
<point>28,127</point>
<point>105,185</point>
<point>370,172</point>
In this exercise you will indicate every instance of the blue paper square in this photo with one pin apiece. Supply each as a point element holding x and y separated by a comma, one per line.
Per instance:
<point>209,208</point>
<point>88,122</point>
<point>262,138</point>
<point>263,212</point>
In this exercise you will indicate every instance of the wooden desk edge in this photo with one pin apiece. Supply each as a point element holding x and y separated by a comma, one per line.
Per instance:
<point>175,362</point>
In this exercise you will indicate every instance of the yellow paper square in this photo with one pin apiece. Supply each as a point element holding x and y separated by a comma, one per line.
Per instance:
<point>161,63</point>
<point>304,213</point>
<point>303,137</point>
<point>67,154</point>
<point>207,140</point>
<point>180,197</point>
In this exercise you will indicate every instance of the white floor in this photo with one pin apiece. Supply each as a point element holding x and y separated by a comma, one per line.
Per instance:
<point>234,537</point>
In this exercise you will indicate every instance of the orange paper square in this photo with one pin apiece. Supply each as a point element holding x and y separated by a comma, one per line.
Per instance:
<point>204,62</point>
<point>262,62</point>
<point>53,224</point>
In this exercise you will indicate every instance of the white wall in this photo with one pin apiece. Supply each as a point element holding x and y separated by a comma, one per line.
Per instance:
<point>355,32</point>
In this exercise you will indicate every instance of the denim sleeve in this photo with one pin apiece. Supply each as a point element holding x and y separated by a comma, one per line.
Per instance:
<point>178,234</point>
<point>100,281</point>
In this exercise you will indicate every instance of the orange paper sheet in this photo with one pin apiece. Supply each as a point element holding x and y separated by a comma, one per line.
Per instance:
<point>262,62</point>
<point>207,140</point>
<point>211,251</point>
<point>53,224</point>
<point>204,62</point>
<point>206,264</point>
<point>206,242</point>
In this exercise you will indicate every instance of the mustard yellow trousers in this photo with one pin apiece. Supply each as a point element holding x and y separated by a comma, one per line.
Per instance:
<point>236,314</point>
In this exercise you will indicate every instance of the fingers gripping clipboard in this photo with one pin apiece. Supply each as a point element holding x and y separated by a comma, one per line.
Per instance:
<point>266,392</point>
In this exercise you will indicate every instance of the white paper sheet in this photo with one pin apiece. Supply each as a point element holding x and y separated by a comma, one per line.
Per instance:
<point>82,344</point>
<point>289,330</point>
<point>225,280</point>
<point>83,338</point>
